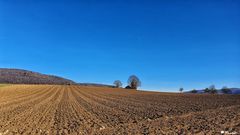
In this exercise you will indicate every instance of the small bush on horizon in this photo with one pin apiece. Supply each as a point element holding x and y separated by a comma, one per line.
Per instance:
<point>206,90</point>
<point>181,90</point>
<point>213,91</point>
<point>226,90</point>
<point>194,91</point>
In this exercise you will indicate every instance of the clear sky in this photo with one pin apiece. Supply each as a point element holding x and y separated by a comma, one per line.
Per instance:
<point>167,44</point>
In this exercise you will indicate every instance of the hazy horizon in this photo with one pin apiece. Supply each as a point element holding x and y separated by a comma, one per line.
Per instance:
<point>168,45</point>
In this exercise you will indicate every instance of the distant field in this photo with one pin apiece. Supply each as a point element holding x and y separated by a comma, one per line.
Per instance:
<point>55,109</point>
<point>2,85</point>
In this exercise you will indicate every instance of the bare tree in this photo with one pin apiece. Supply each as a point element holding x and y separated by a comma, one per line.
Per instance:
<point>117,83</point>
<point>134,82</point>
<point>181,90</point>
<point>212,89</point>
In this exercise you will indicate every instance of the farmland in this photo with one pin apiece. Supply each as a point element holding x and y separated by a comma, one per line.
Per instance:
<point>63,109</point>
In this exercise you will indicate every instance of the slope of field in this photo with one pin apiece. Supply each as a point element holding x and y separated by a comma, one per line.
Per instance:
<point>53,109</point>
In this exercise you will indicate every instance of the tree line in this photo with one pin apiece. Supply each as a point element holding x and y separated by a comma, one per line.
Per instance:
<point>211,89</point>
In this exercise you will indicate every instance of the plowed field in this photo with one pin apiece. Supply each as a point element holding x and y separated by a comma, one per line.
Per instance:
<point>55,109</point>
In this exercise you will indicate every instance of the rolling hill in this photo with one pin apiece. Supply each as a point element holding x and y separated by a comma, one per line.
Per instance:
<point>19,76</point>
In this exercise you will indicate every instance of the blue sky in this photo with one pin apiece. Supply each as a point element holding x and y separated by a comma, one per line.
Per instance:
<point>167,44</point>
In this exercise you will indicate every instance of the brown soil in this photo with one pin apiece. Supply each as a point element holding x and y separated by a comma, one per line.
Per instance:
<point>53,109</point>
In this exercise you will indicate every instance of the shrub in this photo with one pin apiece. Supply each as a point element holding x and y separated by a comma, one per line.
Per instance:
<point>194,91</point>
